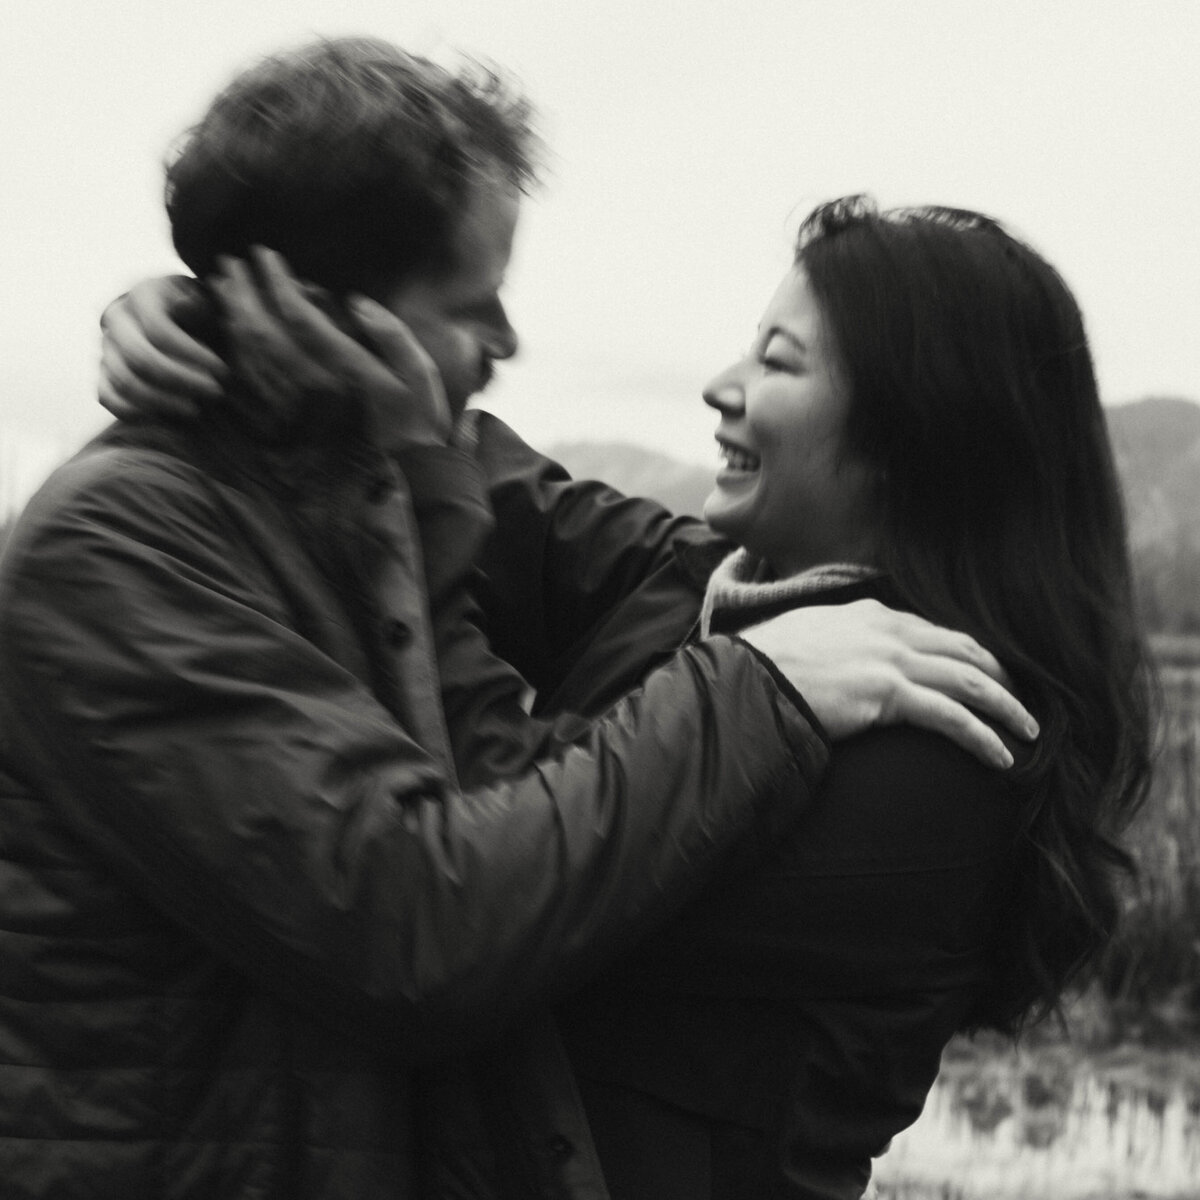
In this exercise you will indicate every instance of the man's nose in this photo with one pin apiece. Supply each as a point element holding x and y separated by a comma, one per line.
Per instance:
<point>501,340</point>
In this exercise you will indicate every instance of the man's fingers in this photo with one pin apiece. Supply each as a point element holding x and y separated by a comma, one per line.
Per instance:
<point>861,664</point>
<point>920,634</point>
<point>957,665</point>
<point>970,685</point>
<point>933,710</point>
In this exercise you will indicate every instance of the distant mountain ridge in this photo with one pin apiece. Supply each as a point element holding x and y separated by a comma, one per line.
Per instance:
<point>1156,443</point>
<point>636,471</point>
<point>1157,446</point>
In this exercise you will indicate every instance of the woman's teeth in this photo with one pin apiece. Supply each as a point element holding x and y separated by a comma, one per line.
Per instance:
<point>739,460</point>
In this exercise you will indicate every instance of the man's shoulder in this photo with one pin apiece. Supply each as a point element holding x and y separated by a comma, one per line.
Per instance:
<point>111,470</point>
<point>121,488</point>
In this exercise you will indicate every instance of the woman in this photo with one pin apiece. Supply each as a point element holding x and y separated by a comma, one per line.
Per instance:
<point>917,421</point>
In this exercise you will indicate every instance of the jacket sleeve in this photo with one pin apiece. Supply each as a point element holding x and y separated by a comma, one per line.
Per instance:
<point>157,686</point>
<point>563,554</point>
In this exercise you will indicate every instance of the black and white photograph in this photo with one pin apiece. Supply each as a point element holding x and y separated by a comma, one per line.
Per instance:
<point>600,601</point>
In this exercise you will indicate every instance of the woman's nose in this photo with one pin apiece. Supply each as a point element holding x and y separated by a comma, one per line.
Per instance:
<point>725,393</point>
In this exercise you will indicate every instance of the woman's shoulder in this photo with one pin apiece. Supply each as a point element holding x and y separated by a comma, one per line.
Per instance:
<point>904,798</point>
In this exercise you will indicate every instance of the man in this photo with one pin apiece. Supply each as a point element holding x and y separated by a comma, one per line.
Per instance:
<point>244,892</point>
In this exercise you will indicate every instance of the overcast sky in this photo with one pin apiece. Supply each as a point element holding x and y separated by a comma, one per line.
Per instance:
<point>687,140</point>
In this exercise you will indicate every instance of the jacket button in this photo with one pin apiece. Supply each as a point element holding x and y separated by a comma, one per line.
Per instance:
<point>379,489</point>
<point>560,1147</point>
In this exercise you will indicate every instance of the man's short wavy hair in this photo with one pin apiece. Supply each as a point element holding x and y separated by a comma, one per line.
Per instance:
<point>351,157</point>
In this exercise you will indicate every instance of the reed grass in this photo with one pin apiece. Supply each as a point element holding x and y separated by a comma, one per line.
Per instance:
<point>1150,976</point>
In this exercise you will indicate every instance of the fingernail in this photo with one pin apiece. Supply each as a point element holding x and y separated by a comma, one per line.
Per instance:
<point>1032,729</point>
<point>1004,758</point>
<point>272,258</point>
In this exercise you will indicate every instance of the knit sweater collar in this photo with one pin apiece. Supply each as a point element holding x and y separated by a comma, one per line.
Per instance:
<point>742,584</point>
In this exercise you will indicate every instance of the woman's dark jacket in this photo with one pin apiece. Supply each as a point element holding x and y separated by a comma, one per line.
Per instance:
<point>774,1036</point>
<point>245,901</point>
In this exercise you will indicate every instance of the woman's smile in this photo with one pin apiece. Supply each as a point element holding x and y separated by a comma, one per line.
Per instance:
<point>736,461</point>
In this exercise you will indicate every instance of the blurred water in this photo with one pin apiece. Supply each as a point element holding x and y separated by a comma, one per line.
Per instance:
<point>1049,1126</point>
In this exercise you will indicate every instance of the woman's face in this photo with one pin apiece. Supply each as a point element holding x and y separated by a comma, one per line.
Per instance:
<point>787,490</point>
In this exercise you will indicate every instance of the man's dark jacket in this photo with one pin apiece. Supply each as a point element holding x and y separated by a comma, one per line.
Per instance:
<point>246,904</point>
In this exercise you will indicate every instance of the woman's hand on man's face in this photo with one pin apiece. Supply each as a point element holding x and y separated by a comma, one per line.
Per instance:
<point>286,345</point>
<point>863,664</point>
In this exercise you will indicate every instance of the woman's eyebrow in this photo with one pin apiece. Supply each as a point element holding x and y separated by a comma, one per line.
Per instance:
<point>798,342</point>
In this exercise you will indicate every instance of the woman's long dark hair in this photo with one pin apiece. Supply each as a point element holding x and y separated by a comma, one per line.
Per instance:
<point>974,398</point>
